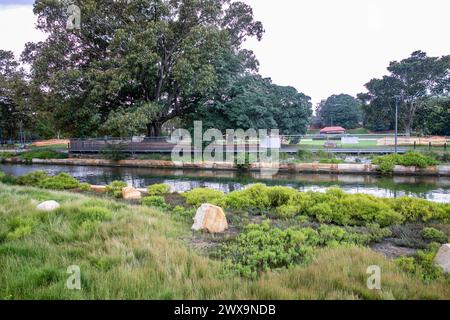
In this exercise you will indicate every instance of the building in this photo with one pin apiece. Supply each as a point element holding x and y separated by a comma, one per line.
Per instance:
<point>333,130</point>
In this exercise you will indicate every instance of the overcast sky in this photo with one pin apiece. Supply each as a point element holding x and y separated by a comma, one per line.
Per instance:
<point>321,47</point>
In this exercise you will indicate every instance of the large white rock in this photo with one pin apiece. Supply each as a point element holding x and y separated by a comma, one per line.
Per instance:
<point>210,218</point>
<point>443,258</point>
<point>130,193</point>
<point>48,206</point>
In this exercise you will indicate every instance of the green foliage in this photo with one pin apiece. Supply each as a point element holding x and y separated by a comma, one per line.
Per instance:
<point>114,151</point>
<point>115,188</point>
<point>91,214</point>
<point>434,235</point>
<point>5,155</point>
<point>341,110</point>
<point>158,189</point>
<point>42,154</point>
<point>413,209</point>
<point>32,178</point>
<point>254,197</point>
<point>7,178</point>
<point>182,213</point>
<point>331,161</point>
<point>197,197</point>
<point>85,187</point>
<point>304,155</point>
<point>155,201</point>
<point>410,159</point>
<point>20,227</point>
<point>62,181</point>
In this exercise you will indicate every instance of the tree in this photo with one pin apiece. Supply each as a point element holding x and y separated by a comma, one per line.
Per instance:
<point>434,117</point>
<point>15,112</point>
<point>164,53</point>
<point>253,102</point>
<point>340,110</point>
<point>412,81</point>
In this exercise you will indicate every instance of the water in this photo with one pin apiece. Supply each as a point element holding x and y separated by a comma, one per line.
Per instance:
<point>431,188</point>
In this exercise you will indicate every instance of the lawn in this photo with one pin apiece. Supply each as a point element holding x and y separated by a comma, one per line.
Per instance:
<point>128,251</point>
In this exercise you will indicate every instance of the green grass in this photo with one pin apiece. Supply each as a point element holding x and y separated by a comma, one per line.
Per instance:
<point>135,252</point>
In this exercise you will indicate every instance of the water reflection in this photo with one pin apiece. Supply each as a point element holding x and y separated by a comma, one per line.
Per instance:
<point>431,188</point>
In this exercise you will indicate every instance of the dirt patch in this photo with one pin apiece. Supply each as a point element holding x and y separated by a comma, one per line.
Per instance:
<point>391,250</point>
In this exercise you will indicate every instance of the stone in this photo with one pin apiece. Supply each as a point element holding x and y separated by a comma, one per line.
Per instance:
<point>130,193</point>
<point>210,218</point>
<point>442,258</point>
<point>99,189</point>
<point>48,206</point>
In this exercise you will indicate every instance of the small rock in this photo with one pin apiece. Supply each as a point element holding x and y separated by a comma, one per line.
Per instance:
<point>443,258</point>
<point>99,189</point>
<point>130,193</point>
<point>48,206</point>
<point>210,218</point>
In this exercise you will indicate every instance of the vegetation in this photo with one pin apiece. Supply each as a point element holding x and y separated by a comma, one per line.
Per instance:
<point>158,189</point>
<point>410,159</point>
<point>340,110</point>
<point>155,201</point>
<point>434,235</point>
<point>42,154</point>
<point>135,252</point>
<point>115,188</point>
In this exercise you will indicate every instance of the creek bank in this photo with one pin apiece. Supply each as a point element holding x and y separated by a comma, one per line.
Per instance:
<point>365,169</point>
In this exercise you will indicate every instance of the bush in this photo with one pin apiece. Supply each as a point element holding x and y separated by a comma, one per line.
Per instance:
<point>91,214</point>
<point>183,213</point>
<point>115,188</point>
<point>304,155</point>
<point>413,209</point>
<point>410,159</point>
<point>42,154</point>
<point>254,197</point>
<point>155,201</point>
<point>434,235</point>
<point>19,227</point>
<point>62,181</point>
<point>85,187</point>
<point>115,151</point>
<point>5,155</point>
<point>287,211</point>
<point>158,189</point>
<point>32,179</point>
<point>197,197</point>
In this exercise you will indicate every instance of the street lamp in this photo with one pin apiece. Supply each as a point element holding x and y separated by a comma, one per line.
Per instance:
<point>397,101</point>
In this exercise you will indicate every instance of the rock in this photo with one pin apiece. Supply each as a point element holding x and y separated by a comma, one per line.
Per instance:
<point>210,218</point>
<point>443,258</point>
<point>99,189</point>
<point>48,206</point>
<point>130,193</point>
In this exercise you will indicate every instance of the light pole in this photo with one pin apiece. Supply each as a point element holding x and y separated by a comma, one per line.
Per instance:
<point>397,100</point>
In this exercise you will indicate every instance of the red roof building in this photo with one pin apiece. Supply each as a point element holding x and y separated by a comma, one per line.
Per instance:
<point>333,130</point>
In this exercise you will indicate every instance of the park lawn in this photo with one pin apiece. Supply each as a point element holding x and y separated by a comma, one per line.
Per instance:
<point>129,251</point>
<point>320,143</point>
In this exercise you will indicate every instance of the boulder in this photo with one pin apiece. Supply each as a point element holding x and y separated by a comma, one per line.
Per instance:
<point>210,218</point>
<point>48,206</point>
<point>130,193</point>
<point>99,189</point>
<point>442,258</point>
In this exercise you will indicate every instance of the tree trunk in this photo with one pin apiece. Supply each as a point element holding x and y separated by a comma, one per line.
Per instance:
<point>154,129</point>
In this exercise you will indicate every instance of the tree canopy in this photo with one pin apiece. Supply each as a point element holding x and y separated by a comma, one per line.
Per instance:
<point>340,110</point>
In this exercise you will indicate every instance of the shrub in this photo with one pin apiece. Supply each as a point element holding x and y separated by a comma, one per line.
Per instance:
<point>158,189</point>
<point>413,209</point>
<point>197,197</point>
<point>62,181</point>
<point>183,213</point>
<point>410,159</point>
<point>32,178</point>
<point>287,211</point>
<point>115,151</point>
<point>19,227</point>
<point>85,187</point>
<point>155,201</point>
<point>5,155</point>
<point>435,235</point>
<point>93,214</point>
<point>304,155</point>
<point>255,197</point>
<point>280,196</point>
<point>115,188</point>
<point>42,154</point>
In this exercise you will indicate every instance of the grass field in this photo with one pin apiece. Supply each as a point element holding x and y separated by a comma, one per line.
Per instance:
<point>128,251</point>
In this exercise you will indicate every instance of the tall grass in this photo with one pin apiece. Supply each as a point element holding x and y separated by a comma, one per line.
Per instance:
<point>136,252</point>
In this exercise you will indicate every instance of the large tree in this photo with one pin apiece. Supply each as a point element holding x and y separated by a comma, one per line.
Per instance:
<point>411,83</point>
<point>340,110</point>
<point>164,54</point>
<point>253,102</point>
<point>15,111</point>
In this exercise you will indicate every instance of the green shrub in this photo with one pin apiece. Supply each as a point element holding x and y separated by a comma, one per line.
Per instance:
<point>42,154</point>
<point>62,181</point>
<point>85,187</point>
<point>183,213</point>
<point>407,264</point>
<point>5,155</point>
<point>95,214</point>
<point>115,151</point>
<point>331,161</point>
<point>435,235</point>
<point>115,188</point>
<point>19,227</point>
<point>410,159</point>
<point>197,197</point>
<point>287,211</point>
<point>280,196</point>
<point>32,178</point>
<point>154,201</point>
<point>158,189</point>
<point>414,209</point>
<point>304,155</point>
<point>255,197</point>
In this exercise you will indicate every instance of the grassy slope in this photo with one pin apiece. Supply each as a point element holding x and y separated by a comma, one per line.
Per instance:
<point>142,253</point>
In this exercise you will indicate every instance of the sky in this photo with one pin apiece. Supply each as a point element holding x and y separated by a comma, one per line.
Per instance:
<point>320,47</point>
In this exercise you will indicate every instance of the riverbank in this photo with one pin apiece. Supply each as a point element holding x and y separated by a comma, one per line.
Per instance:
<point>129,251</point>
<point>362,169</point>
